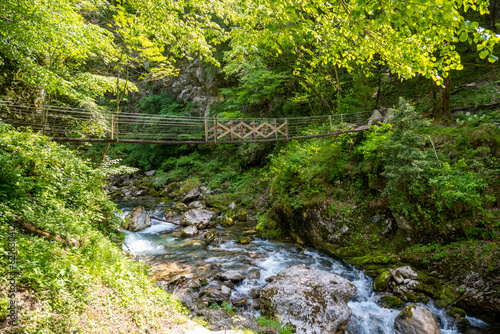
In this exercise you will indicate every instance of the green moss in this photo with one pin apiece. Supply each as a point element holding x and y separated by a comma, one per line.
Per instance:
<point>226,221</point>
<point>456,312</point>
<point>392,302</point>
<point>380,283</point>
<point>244,240</point>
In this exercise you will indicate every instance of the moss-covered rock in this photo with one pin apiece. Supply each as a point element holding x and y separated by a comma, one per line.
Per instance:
<point>392,302</point>
<point>380,283</point>
<point>456,312</point>
<point>180,207</point>
<point>226,221</point>
<point>244,240</point>
<point>241,215</point>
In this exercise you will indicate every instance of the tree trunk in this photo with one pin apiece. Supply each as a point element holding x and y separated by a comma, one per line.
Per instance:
<point>443,110</point>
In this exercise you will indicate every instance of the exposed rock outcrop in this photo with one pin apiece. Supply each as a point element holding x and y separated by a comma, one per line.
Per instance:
<point>311,300</point>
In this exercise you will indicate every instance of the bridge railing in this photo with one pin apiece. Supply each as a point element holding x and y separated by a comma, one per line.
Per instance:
<point>74,124</point>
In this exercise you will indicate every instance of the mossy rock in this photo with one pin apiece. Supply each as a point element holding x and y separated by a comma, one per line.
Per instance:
<point>226,221</point>
<point>186,186</point>
<point>372,262</point>
<point>380,283</point>
<point>241,215</point>
<point>374,273</point>
<point>179,206</point>
<point>405,294</point>
<point>392,302</point>
<point>456,312</point>
<point>170,189</point>
<point>244,240</point>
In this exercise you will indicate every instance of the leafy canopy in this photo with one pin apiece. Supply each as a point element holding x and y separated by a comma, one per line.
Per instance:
<point>411,37</point>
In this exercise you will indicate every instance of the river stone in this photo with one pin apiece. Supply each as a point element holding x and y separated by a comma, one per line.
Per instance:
<point>192,195</point>
<point>232,276</point>
<point>254,273</point>
<point>211,237</point>
<point>244,240</point>
<point>189,232</point>
<point>415,319</point>
<point>137,220</point>
<point>179,206</point>
<point>402,273</point>
<point>151,173</point>
<point>309,299</point>
<point>197,217</point>
<point>239,302</point>
<point>402,292</point>
<point>196,205</point>
<point>392,302</point>
<point>215,294</point>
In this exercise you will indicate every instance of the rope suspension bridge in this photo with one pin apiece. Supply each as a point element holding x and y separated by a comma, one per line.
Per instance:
<point>83,125</point>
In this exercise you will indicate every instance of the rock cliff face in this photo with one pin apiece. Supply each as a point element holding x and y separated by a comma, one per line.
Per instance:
<point>311,300</point>
<point>197,83</point>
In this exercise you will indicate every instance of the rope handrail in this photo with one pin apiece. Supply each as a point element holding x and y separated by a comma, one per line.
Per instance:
<point>92,125</point>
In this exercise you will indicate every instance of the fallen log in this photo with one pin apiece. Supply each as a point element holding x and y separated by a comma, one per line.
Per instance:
<point>163,220</point>
<point>29,228</point>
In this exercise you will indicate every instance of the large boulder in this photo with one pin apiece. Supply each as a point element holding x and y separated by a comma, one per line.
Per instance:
<point>309,299</point>
<point>197,217</point>
<point>136,220</point>
<point>415,319</point>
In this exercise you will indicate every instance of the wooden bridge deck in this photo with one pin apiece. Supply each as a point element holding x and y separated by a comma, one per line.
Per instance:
<point>81,125</point>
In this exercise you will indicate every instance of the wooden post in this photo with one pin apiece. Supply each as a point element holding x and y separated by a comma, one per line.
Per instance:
<point>331,127</point>
<point>230,126</point>
<point>112,126</point>
<point>206,130</point>
<point>116,127</point>
<point>215,130</point>
<point>286,127</point>
<point>275,129</point>
<point>341,121</point>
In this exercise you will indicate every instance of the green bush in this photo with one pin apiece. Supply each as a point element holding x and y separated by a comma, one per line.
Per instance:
<point>47,186</point>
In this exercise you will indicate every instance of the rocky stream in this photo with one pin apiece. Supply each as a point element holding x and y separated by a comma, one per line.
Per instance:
<point>231,275</point>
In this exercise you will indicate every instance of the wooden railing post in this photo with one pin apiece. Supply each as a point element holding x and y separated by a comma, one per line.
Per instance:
<point>286,127</point>
<point>331,127</point>
<point>206,130</point>
<point>215,129</point>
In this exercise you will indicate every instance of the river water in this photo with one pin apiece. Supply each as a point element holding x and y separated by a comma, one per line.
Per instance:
<point>160,244</point>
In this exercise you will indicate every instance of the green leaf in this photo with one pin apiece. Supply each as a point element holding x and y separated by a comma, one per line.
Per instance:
<point>463,36</point>
<point>492,58</point>
<point>483,54</point>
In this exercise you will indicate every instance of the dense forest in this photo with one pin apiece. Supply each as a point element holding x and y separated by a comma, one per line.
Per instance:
<point>421,188</point>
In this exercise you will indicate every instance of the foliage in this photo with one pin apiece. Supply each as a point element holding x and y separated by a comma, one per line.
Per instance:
<point>48,187</point>
<point>275,324</point>
<point>49,45</point>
